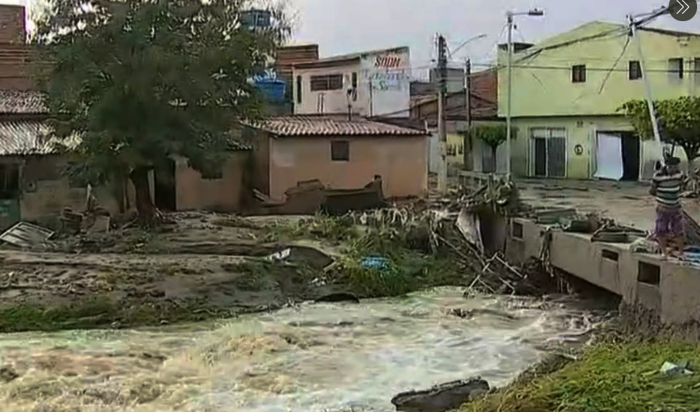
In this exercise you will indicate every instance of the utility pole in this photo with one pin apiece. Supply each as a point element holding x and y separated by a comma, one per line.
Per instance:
<point>467,145</point>
<point>633,25</point>
<point>509,98</point>
<point>509,22</point>
<point>442,130</point>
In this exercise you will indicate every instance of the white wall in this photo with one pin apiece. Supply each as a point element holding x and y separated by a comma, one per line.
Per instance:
<point>433,152</point>
<point>383,86</point>
<point>326,101</point>
<point>386,76</point>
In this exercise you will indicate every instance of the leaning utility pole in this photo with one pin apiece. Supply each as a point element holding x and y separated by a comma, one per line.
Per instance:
<point>467,145</point>
<point>442,131</point>
<point>634,25</point>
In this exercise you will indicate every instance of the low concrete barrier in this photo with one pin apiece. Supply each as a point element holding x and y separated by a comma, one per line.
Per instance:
<point>671,287</point>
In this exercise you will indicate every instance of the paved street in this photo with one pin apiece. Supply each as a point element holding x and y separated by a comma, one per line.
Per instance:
<point>628,203</point>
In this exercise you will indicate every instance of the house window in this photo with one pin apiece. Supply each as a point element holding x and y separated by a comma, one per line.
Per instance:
<point>299,89</point>
<point>213,175</point>
<point>326,82</point>
<point>578,73</point>
<point>340,151</point>
<point>354,86</point>
<point>696,69</point>
<point>635,70</point>
<point>675,68</point>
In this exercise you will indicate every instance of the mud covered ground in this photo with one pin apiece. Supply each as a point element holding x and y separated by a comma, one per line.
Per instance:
<point>199,266</point>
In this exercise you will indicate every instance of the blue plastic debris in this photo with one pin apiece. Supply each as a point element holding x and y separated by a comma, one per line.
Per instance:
<point>375,262</point>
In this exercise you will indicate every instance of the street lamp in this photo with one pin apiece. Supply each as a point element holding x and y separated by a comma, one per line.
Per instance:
<point>509,16</point>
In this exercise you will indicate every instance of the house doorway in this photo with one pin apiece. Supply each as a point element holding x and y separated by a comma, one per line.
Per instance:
<point>548,152</point>
<point>631,156</point>
<point>617,156</point>
<point>10,212</point>
<point>165,192</point>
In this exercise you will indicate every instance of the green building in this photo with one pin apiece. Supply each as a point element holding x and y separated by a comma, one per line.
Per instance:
<point>567,89</point>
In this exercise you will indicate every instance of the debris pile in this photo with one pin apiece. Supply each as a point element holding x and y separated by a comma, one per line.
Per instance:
<point>469,232</point>
<point>93,219</point>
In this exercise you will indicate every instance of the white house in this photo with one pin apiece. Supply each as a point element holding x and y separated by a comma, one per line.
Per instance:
<point>373,83</point>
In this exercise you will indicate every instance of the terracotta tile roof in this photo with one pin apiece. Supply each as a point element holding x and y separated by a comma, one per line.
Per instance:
<point>21,102</point>
<point>28,137</point>
<point>333,125</point>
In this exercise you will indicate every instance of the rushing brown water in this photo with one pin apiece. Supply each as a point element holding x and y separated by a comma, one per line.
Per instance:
<point>316,357</point>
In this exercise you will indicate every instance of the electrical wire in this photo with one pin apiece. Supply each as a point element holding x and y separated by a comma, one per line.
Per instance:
<point>607,76</point>
<point>594,69</point>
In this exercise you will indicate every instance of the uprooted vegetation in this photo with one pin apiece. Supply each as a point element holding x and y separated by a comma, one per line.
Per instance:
<point>383,253</point>
<point>609,376</point>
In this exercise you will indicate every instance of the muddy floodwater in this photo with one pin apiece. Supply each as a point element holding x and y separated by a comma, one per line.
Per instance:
<point>315,357</point>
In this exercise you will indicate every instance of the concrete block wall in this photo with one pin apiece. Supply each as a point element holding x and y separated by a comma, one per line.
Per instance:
<point>13,23</point>
<point>671,288</point>
<point>50,197</point>
<point>14,54</point>
<point>222,195</point>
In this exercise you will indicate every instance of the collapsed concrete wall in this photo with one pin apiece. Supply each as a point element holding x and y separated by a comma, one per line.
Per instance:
<point>668,289</point>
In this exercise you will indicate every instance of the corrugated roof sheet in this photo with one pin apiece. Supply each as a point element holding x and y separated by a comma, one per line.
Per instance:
<point>26,235</point>
<point>29,137</point>
<point>21,102</point>
<point>330,125</point>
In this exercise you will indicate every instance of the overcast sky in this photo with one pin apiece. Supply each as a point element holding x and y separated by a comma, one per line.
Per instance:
<point>346,26</point>
<point>342,26</point>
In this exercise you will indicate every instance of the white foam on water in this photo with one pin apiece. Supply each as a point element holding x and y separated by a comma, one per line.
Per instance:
<point>317,357</point>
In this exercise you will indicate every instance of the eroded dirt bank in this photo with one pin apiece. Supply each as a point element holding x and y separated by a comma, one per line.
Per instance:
<point>200,266</point>
<point>207,265</point>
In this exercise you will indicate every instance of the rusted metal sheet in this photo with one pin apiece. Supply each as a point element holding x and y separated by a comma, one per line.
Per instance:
<point>26,235</point>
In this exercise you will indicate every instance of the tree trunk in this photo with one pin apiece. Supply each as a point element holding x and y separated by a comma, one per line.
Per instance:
<point>144,204</point>
<point>494,156</point>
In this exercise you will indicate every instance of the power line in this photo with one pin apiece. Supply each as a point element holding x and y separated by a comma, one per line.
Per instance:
<point>595,69</point>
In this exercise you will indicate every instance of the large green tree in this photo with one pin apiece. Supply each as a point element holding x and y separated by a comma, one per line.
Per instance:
<point>140,81</point>
<point>679,122</point>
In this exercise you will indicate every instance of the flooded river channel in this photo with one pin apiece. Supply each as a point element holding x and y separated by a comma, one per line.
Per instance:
<point>315,357</point>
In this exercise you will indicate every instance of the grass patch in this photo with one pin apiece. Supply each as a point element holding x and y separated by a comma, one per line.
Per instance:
<point>610,377</point>
<point>102,311</point>
<point>408,269</point>
<point>92,312</point>
<point>320,227</point>
<point>253,275</point>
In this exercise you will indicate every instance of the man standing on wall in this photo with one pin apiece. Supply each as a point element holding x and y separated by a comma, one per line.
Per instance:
<point>666,186</point>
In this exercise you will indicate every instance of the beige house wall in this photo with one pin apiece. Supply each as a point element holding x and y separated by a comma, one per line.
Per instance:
<point>223,195</point>
<point>402,162</point>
